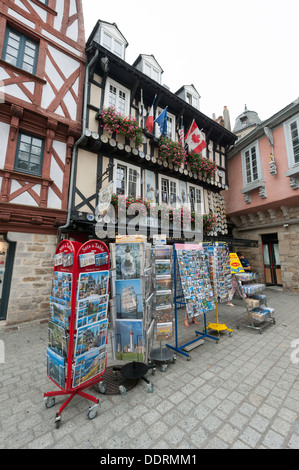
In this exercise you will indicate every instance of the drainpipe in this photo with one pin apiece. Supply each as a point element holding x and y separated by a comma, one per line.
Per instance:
<point>76,145</point>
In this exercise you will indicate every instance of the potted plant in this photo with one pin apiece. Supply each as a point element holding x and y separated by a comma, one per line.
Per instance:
<point>113,121</point>
<point>171,152</point>
<point>201,165</point>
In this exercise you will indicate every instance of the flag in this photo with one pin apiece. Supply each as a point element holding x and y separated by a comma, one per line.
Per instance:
<point>195,139</point>
<point>150,119</point>
<point>181,133</point>
<point>161,120</point>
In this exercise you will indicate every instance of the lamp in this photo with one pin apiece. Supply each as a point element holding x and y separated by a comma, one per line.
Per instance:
<point>105,64</point>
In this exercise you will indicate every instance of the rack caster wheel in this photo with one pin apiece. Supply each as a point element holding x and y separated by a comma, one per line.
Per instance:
<point>49,402</point>
<point>189,358</point>
<point>58,421</point>
<point>102,387</point>
<point>163,367</point>
<point>92,411</point>
<point>122,390</point>
<point>150,388</point>
<point>153,371</point>
<point>174,359</point>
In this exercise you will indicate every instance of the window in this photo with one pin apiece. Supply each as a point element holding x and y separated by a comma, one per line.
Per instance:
<point>45,2</point>
<point>20,51</point>
<point>112,44</point>
<point>117,96</point>
<point>170,133</point>
<point>251,165</point>
<point>291,130</point>
<point>151,72</point>
<point>29,154</point>
<point>195,197</point>
<point>126,179</point>
<point>168,191</point>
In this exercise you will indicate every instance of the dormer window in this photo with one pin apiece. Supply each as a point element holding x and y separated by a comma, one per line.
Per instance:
<point>109,36</point>
<point>112,44</point>
<point>189,94</point>
<point>148,65</point>
<point>151,72</point>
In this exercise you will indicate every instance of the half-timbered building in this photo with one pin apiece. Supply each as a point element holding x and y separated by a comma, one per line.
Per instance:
<point>135,169</point>
<point>42,66</point>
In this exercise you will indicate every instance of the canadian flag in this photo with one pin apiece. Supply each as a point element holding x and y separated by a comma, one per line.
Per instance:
<point>195,139</point>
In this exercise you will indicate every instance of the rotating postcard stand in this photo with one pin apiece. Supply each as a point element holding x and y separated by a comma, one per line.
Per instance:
<point>220,274</point>
<point>132,290</point>
<point>163,294</point>
<point>192,289</point>
<point>77,349</point>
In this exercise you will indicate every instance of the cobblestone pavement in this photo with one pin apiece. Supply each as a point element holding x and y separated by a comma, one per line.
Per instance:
<point>242,392</point>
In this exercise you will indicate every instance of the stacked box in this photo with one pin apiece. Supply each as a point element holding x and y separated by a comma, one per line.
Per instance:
<point>260,313</point>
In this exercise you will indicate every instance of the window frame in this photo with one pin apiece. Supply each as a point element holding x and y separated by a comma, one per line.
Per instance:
<point>169,180</point>
<point>173,124</point>
<point>196,188</point>
<point>21,50</point>
<point>152,70</point>
<point>254,183</point>
<point>128,167</point>
<point>16,160</point>
<point>119,89</point>
<point>113,40</point>
<point>292,164</point>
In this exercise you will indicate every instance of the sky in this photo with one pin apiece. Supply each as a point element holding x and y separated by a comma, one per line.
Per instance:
<point>234,52</point>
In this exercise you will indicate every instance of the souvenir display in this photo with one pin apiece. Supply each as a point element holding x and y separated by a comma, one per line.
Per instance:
<point>77,330</point>
<point>162,257</point>
<point>132,287</point>
<point>219,269</point>
<point>195,282</point>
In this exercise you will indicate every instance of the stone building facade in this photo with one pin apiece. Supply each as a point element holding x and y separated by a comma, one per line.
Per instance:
<point>262,202</point>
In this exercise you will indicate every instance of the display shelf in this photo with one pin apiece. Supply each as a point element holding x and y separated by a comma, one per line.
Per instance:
<point>192,290</point>
<point>77,344</point>
<point>259,314</point>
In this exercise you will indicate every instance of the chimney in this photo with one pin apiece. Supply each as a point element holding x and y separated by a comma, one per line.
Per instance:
<point>226,118</point>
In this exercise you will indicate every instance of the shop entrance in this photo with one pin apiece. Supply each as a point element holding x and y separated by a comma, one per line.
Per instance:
<point>7,251</point>
<point>271,256</point>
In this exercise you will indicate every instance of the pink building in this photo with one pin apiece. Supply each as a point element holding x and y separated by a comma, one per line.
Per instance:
<point>262,201</point>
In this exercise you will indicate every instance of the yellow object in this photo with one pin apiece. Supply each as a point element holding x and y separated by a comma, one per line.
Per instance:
<point>235,264</point>
<point>218,326</point>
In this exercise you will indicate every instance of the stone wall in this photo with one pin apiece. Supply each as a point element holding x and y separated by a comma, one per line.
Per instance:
<point>31,278</point>
<point>288,243</point>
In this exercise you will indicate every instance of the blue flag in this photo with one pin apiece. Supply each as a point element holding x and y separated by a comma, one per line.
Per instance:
<point>162,121</point>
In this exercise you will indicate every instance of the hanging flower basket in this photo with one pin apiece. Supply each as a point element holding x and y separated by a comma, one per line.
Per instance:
<point>113,121</point>
<point>201,165</point>
<point>171,152</point>
<point>209,221</point>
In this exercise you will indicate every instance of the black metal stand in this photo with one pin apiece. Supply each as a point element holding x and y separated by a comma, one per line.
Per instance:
<point>135,370</point>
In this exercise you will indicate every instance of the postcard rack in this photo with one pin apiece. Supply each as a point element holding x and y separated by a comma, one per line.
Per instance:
<point>77,345</point>
<point>163,301</point>
<point>132,322</point>
<point>192,289</point>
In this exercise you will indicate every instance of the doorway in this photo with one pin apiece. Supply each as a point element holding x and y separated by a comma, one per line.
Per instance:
<point>7,252</point>
<point>272,267</point>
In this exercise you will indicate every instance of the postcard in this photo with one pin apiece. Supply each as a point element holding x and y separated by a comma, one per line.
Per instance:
<point>91,283</point>
<point>57,338</point>
<point>163,314</point>
<point>129,300</point>
<point>56,367</point>
<point>163,282</point>
<point>162,266</point>
<point>128,257</point>
<point>163,331</point>
<point>129,340</point>
<point>90,337</point>
<point>89,365</point>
